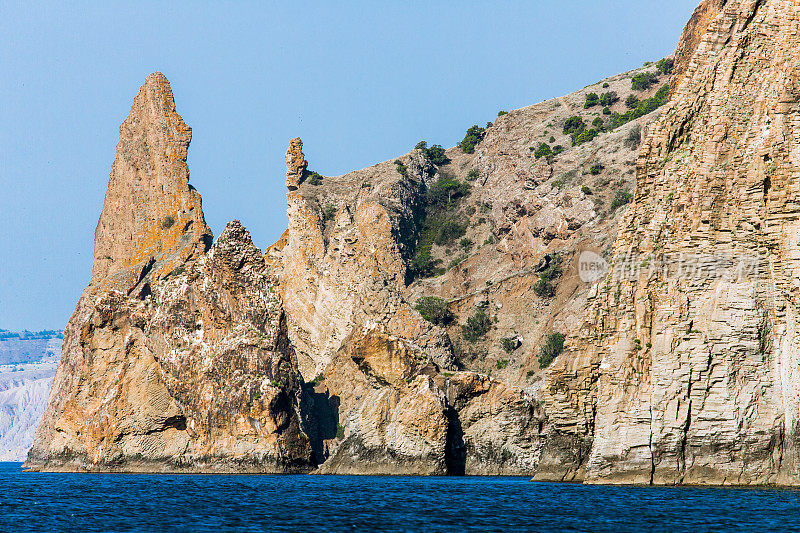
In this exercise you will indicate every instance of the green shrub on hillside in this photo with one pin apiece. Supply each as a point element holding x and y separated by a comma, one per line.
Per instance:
<point>509,344</point>
<point>634,137</point>
<point>643,108</point>
<point>621,197</point>
<point>632,101</point>
<point>574,124</point>
<point>501,113</point>
<point>584,136</point>
<point>401,168</point>
<point>314,178</point>
<point>446,191</point>
<point>552,348</point>
<point>606,111</point>
<point>423,265</point>
<point>545,288</point>
<point>665,65</point>
<point>477,326</point>
<point>543,150</point>
<point>435,154</point>
<point>591,100</point>
<point>434,310</point>
<point>596,169</point>
<point>442,223</point>
<point>608,99</point>
<point>598,123</point>
<point>471,139</point>
<point>643,81</point>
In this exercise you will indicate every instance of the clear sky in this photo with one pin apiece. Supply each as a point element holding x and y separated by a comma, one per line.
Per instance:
<point>359,81</point>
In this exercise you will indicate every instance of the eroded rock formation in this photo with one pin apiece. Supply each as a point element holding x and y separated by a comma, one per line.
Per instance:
<point>680,365</point>
<point>176,357</point>
<point>697,358</point>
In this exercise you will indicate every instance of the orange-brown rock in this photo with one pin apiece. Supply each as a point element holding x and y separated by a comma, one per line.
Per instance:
<point>175,359</point>
<point>295,164</point>
<point>318,354</point>
<point>693,33</point>
<point>152,219</point>
<point>694,334</point>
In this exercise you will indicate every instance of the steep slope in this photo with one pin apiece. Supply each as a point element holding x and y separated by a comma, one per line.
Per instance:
<point>395,327</point>
<point>414,395</point>
<point>176,355</point>
<point>694,335</point>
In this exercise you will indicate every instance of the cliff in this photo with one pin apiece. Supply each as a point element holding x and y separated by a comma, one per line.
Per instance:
<point>697,350</point>
<point>410,319</point>
<point>176,355</point>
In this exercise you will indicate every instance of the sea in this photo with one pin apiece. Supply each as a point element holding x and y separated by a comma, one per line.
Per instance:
<point>133,502</point>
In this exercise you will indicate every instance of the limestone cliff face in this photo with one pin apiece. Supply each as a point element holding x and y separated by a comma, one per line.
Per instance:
<point>680,365</point>
<point>695,335</point>
<point>152,218</point>
<point>175,358</point>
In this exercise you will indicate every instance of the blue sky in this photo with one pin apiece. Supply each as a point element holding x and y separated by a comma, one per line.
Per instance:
<point>359,81</point>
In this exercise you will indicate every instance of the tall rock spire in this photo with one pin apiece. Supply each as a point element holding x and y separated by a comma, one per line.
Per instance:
<point>152,219</point>
<point>295,164</point>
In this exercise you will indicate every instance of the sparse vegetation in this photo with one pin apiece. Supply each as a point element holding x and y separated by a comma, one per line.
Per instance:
<point>596,169</point>
<point>552,348</point>
<point>443,224</point>
<point>591,100</point>
<point>501,113</point>
<point>328,213</point>
<point>621,197</point>
<point>435,154</point>
<point>665,65</point>
<point>586,190</point>
<point>434,310</point>
<point>643,108</point>
<point>632,101</point>
<point>402,169</point>
<point>606,111</point>
<point>643,81</point>
<point>500,364</point>
<point>472,138</point>
<point>598,123</point>
<point>634,137</point>
<point>167,222</point>
<point>313,178</point>
<point>477,326</point>
<point>473,174</point>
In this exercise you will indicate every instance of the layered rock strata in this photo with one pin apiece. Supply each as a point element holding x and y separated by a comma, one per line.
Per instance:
<point>176,357</point>
<point>680,365</point>
<point>693,338</point>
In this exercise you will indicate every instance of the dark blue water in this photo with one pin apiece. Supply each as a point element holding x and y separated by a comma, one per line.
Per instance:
<point>101,502</point>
